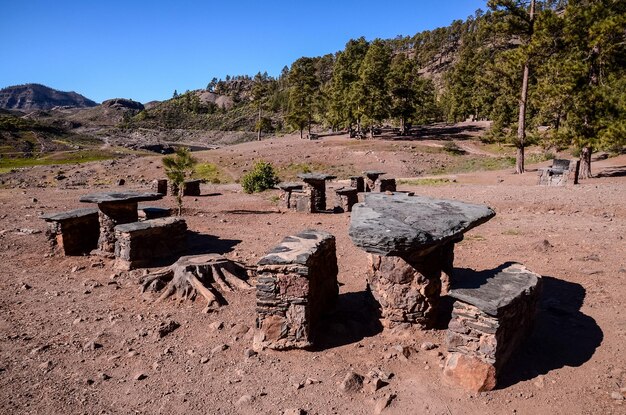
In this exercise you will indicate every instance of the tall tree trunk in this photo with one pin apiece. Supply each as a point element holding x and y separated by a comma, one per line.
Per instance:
<point>258,137</point>
<point>521,123</point>
<point>585,162</point>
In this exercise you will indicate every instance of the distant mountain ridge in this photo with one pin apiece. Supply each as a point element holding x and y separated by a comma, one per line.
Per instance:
<point>31,97</point>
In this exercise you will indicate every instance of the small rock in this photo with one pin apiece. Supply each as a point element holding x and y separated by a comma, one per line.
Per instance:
<point>217,325</point>
<point>89,381</point>
<point>77,320</point>
<point>244,400</point>
<point>352,382</point>
<point>428,346</point>
<point>617,396</point>
<point>121,182</point>
<point>104,376</point>
<point>140,376</point>
<point>311,381</point>
<point>166,328</point>
<point>294,411</point>
<point>219,348</point>
<point>383,403</point>
<point>47,365</point>
<point>374,384</point>
<point>25,287</point>
<point>91,346</point>
<point>248,353</point>
<point>540,382</point>
<point>204,360</point>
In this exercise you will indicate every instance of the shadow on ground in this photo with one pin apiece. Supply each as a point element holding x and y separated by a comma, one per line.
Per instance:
<point>198,243</point>
<point>563,336</point>
<point>354,318</point>
<point>617,171</point>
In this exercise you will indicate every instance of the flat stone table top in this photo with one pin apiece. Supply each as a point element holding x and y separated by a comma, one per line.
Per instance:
<point>120,197</point>
<point>490,291</point>
<point>296,249</point>
<point>72,214</point>
<point>289,186</point>
<point>147,224</point>
<point>316,176</point>
<point>399,224</point>
<point>373,173</point>
<point>345,190</point>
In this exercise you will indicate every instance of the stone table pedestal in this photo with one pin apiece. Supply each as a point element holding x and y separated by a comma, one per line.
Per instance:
<point>316,182</point>
<point>370,179</point>
<point>288,189</point>
<point>116,208</point>
<point>346,197</point>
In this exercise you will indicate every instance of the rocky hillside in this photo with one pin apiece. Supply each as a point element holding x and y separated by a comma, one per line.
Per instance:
<point>32,97</point>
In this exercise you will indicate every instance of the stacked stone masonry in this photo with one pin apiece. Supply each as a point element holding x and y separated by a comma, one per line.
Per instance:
<point>159,186</point>
<point>385,185</point>
<point>296,285</point>
<point>74,232</point>
<point>345,198</point>
<point>490,319</point>
<point>141,244</point>
<point>561,173</point>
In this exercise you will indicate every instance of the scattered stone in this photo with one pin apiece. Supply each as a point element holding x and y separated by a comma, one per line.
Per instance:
<point>216,325</point>
<point>352,382</point>
<point>617,396</point>
<point>46,366</point>
<point>204,360</point>
<point>375,384</point>
<point>219,348</point>
<point>383,403</point>
<point>91,345</point>
<point>543,246</point>
<point>244,400</point>
<point>428,346</point>
<point>166,328</point>
<point>311,381</point>
<point>103,376</point>
<point>248,353</point>
<point>25,287</point>
<point>121,182</point>
<point>294,411</point>
<point>539,382</point>
<point>140,376</point>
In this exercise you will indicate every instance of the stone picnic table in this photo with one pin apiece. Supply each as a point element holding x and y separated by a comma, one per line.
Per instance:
<point>116,208</point>
<point>410,241</point>
<point>370,179</point>
<point>317,185</point>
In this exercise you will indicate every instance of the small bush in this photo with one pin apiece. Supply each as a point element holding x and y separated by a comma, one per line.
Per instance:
<point>452,148</point>
<point>262,177</point>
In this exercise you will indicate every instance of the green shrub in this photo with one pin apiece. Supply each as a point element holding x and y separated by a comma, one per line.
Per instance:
<point>452,148</point>
<point>261,177</point>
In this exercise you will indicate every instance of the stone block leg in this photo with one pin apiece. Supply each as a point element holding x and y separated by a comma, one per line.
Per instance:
<point>406,288</point>
<point>490,318</point>
<point>296,284</point>
<point>111,215</point>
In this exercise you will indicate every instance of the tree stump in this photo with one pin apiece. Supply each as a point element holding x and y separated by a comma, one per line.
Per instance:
<point>198,274</point>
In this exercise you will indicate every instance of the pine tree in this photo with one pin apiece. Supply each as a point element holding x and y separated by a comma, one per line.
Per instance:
<point>371,94</point>
<point>303,92</point>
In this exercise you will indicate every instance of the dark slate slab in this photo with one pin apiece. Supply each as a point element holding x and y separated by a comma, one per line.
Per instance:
<point>316,176</point>
<point>120,197</point>
<point>345,190</point>
<point>490,291</point>
<point>147,224</point>
<point>397,224</point>
<point>71,214</point>
<point>289,186</point>
<point>296,249</point>
<point>373,173</point>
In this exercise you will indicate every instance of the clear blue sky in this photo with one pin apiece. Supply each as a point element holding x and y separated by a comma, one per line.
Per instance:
<point>144,50</point>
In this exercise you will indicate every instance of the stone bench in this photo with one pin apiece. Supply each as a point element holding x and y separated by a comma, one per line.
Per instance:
<point>159,186</point>
<point>358,182</point>
<point>296,284</point>
<point>190,188</point>
<point>139,244</point>
<point>316,186</point>
<point>346,197</point>
<point>288,189</point>
<point>493,313</point>
<point>152,212</point>
<point>560,173</point>
<point>74,232</point>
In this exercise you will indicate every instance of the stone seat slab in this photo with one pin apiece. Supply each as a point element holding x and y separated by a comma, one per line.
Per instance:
<point>316,176</point>
<point>120,197</point>
<point>491,292</point>
<point>397,224</point>
<point>295,249</point>
<point>290,186</point>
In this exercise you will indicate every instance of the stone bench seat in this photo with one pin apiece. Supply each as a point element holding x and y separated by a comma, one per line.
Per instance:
<point>74,232</point>
<point>494,311</point>
<point>346,197</point>
<point>140,244</point>
<point>296,284</point>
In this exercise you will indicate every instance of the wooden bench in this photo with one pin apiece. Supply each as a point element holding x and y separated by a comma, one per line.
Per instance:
<point>74,232</point>
<point>140,244</point>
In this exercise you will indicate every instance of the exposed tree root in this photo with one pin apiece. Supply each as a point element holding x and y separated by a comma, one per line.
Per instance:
<point>197,274</point>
